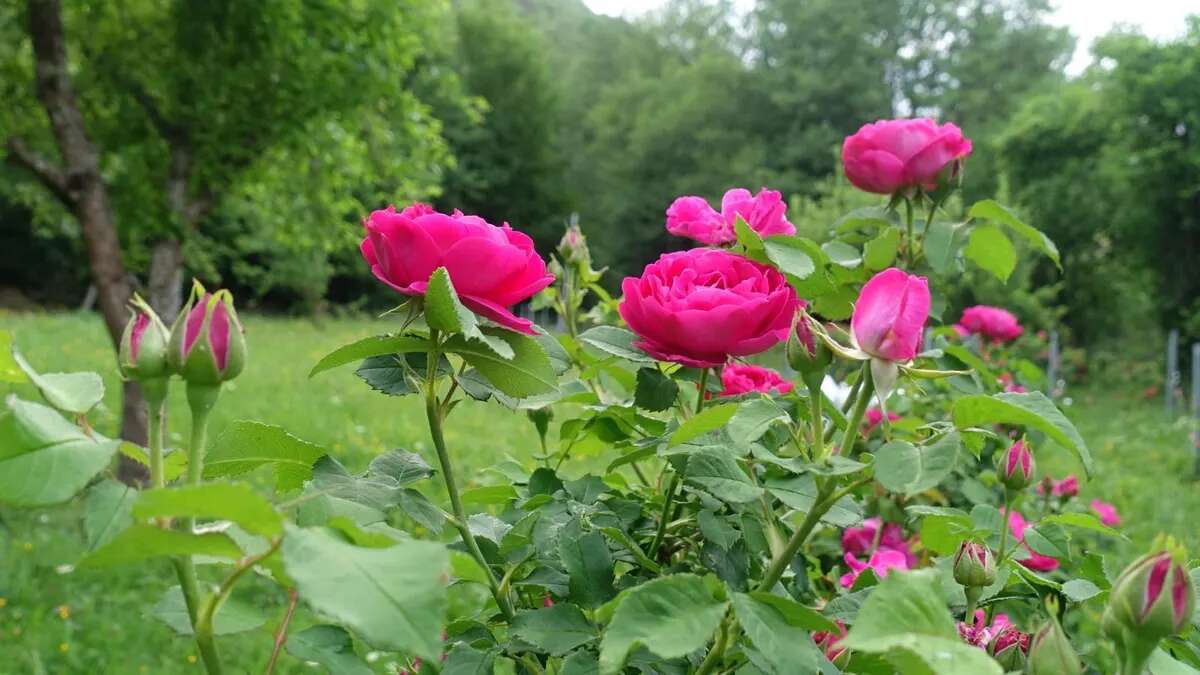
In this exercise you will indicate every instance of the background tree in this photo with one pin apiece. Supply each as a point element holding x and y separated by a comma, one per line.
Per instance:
<point>159,111</point>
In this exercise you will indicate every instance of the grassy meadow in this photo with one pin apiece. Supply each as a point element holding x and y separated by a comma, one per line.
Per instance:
<point>55,619</point>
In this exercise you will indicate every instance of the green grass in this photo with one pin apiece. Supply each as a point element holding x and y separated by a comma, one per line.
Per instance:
<point>1143,466</point>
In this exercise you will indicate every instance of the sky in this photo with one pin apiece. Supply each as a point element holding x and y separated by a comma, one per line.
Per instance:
<point>1087,19</point>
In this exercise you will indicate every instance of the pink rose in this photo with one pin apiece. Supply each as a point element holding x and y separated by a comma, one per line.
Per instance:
<point>889,315</point>
<point>980,634</point>
<point>1107,512</point>
<point>891,155</point>
<point>765,213</point>
<point>740,378</point>
<point>994,323</point>
<point>874,417</point>
<point>207,345</point>
<point>860,540</point>
<point>882,561</point>
<point>492,268</point>
<point>1067,487</point>
<point>830,643</point>
<point>1035,561</point>
<point>701,306</point>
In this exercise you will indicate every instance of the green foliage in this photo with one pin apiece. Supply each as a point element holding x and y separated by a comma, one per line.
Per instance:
<point>43,458</point>
<point>670,616</point>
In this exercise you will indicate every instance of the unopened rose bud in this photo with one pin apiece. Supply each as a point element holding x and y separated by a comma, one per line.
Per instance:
<point>143,352</point>
<point>1152,599</point>
<point>573,248</point>
<point>1010,649</point>
<point>974,566</point>
<point>806,354</point>
<point>207,346</point>
<point>1015,466</point>
<point>1051,653</point>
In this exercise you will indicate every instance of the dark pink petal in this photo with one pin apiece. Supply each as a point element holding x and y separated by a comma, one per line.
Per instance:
<point>140,324</point>
<point>218,335</point>
<point>499,314</point>
<point>1154,585</point>
<point>194,322</point>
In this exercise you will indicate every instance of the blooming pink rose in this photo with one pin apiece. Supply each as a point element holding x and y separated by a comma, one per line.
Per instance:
<point>994,323</point>
<point>874,417</point>
<point>740,378</point>
<point>891,155</point>
<point>1067,487</point>
<point>1035,561</point>
<point>701,306</point>
<point>889,315</point>
<point>765,213</point>
<point>860,540</point>
<point>980,634</point>
<point>830,642</point>
<point>882,561</point>
<point>1107,512</point>
<point>492,268</point>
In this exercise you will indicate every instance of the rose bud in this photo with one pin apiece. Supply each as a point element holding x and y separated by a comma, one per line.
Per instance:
<point>889,315</point>
<point>1015,466</point>
<point>143,351</point>
<point>1051,653</point>
<point>974,566</point>
<point>1152,599</point>
<point>207,346</point>
<point>573,248</point>
<point>806,354</point>
<point>1010,648</point>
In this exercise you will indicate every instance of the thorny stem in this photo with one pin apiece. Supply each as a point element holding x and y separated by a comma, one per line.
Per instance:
<point>780,562</point>
<point>434,412</point>
<point>669,496</point>
<point>717,652</point>
<point>281,635</point>
<point>910,250</point>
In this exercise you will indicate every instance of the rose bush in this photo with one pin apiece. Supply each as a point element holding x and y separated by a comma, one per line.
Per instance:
<point>670,524</point>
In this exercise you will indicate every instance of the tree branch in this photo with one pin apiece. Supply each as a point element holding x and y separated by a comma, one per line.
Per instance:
<point>46,171</point>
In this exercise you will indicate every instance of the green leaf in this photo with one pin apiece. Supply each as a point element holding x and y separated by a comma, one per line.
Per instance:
<point>787,648</point>
<point>580,663</point>
<point>902,467</point>
<point>489,494</point>
<point>1084,521</point>
<point>107,510</point>
<point>615,342</point>
<point>10,370</point>
<point>69,392</point>
<point>444,312</point>
<point>905,619</point>
<point>671,616</point>
<point>990,248</point>
<point>943,533</point>
<point>790,257</point>
<point>879,253</point>
<point>1161,663</point>
<point>466,660</point>
<point>800,492</point>
<point>233,616</point>
<point>655,391</point>
<point>589,565</point>
<point>526,373</point>
<point>709,419</point>
<point>556,630</point>
<point>387,375</point>
<point>141,542</point>
<point>222,501</point>
<point>1079,590</point>
<point>1048,539</point>
<point>45,459</point>
<point>246,445</point>
<point>747,237</point>
<point>795,613</point>
<point>995,212</point>
<point>754,418</point>
<point>842,254</point>
<point>393,598</point>
<point>377,345</point>
<point>330,646</point>
<point>717,530</point>
<point>621,538</point>
<point>715,470</point>
<point>1030,409</point>
<point>941,244</point>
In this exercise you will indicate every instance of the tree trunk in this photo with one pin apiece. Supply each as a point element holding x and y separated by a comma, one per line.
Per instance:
<point>80,185</point>
<point>166,279</point>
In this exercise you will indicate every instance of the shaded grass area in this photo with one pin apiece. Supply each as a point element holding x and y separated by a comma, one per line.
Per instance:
<point>54,619</point>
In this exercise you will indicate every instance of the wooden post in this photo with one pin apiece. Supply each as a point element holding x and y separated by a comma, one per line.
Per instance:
<point>1052,365</point>
<point>1172,376</point>
<point>1196,405</point>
